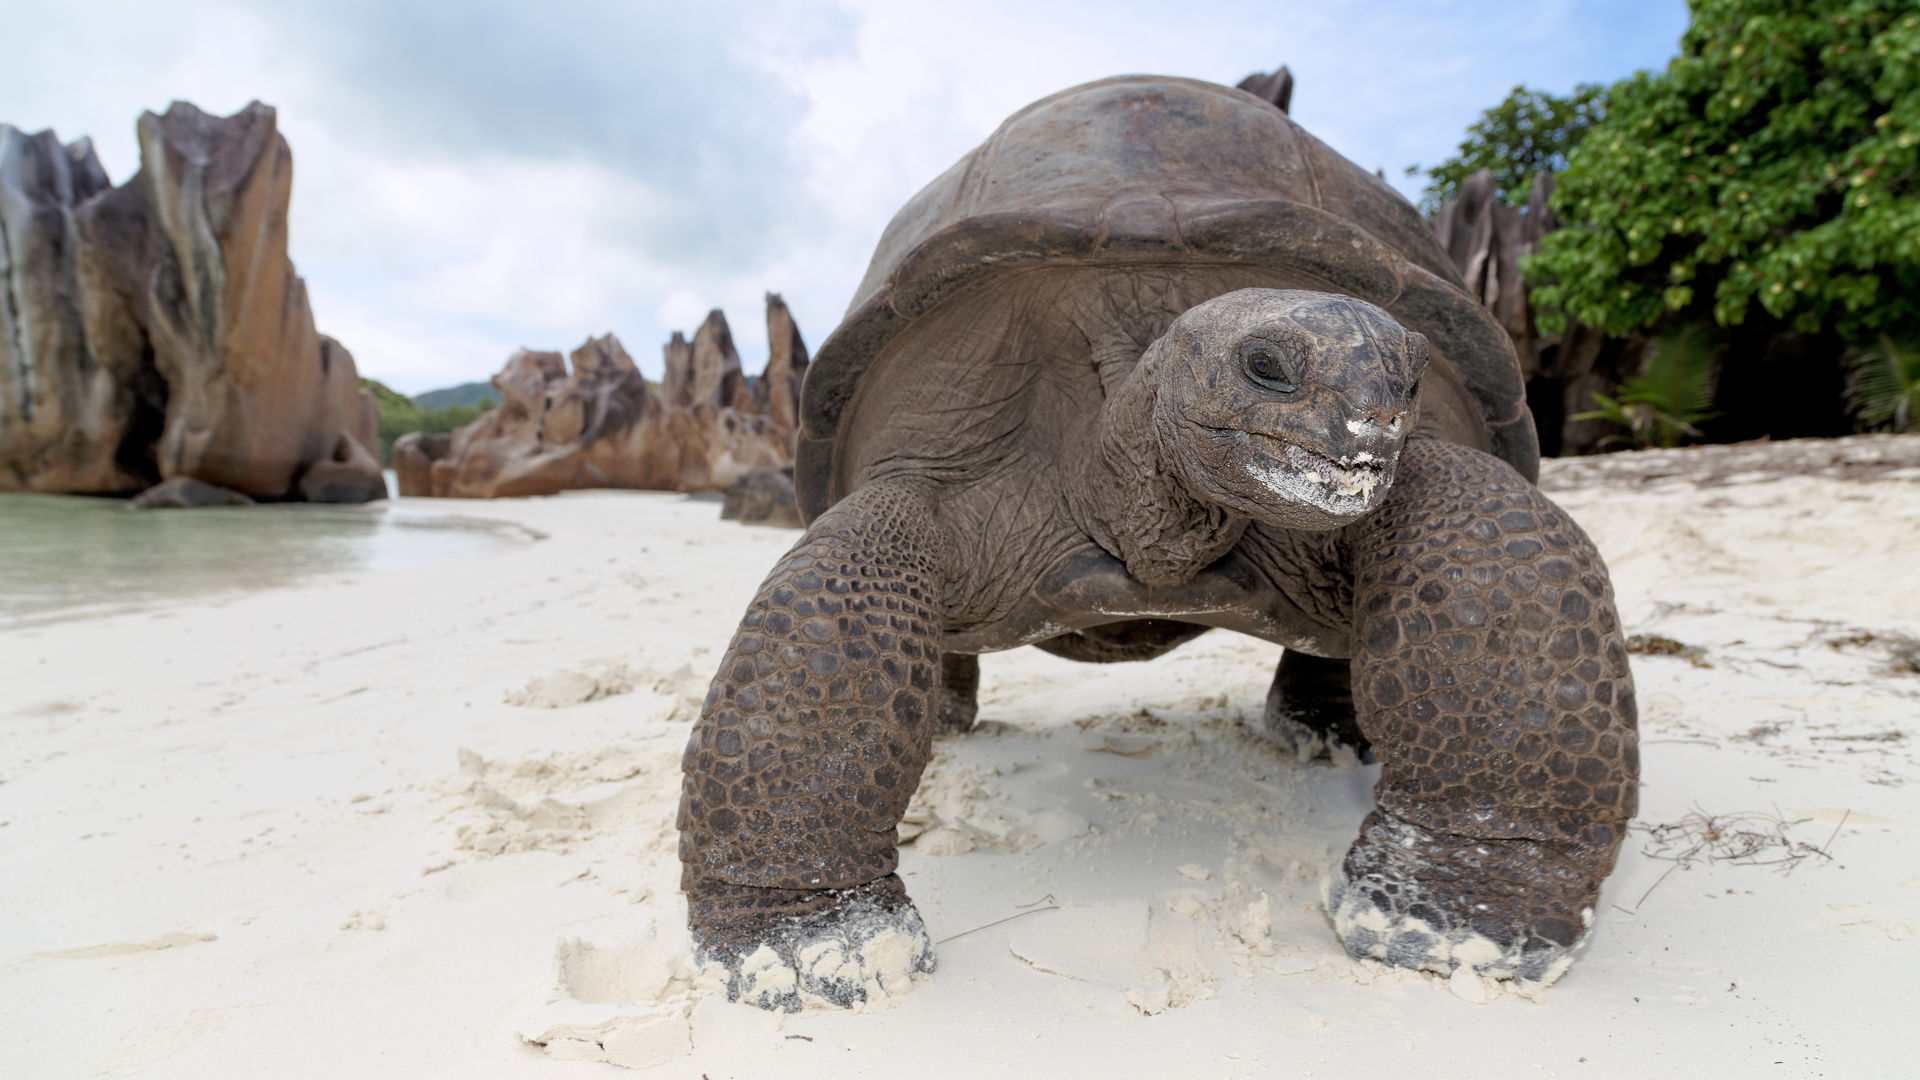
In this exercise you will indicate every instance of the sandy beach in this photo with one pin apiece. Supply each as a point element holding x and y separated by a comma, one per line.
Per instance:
<point>419,823</point>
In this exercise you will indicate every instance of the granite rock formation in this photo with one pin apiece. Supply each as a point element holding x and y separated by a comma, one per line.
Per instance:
<point>157,329</point>
<point>598,423</point>
<point>1486,238</point>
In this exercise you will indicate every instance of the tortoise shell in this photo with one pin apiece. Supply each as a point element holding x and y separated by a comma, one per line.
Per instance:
<point>1132,198</point>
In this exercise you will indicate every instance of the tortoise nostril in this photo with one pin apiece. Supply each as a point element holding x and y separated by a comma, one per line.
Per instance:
<point>1374,400</point>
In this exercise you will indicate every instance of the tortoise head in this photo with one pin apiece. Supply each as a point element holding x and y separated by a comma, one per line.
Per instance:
<point>1286,407</point>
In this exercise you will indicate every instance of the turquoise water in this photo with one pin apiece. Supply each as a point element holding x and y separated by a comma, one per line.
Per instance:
<point>68,556</point>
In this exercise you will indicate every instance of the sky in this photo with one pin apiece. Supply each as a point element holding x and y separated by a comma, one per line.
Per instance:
<point>472,176</point>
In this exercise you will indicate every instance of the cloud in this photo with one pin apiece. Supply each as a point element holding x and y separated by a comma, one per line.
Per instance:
<point>656,94</point>
<point>475,175</point>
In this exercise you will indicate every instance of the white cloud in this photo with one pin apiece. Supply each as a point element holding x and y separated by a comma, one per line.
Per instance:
<point>475,176</point>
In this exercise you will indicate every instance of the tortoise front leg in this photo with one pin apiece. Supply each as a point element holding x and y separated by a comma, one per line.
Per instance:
<point>811,742</point>
<point>1491,678</point>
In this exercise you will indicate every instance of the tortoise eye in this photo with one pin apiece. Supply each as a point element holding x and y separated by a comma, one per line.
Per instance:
<point>1267,369</point>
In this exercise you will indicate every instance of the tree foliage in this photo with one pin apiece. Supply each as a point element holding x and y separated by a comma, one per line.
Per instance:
<point>1531,131</point>
<point>1773,167</point>
<point>400,414</point>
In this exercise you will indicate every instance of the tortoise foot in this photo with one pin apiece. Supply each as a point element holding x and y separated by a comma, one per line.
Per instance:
<point>1309,711</point>
<point>850,948</point>
<point>1305,739</point>
<point>1507,909</point>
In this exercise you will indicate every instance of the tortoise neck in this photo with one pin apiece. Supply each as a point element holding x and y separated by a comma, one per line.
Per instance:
<point>1128,499</point>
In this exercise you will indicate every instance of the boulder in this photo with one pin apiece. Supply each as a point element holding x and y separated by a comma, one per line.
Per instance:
<point>351,474</point>
<point>159,329</point>
<point>186,493</point>
<point>413,457</point>
<point>763,497</point>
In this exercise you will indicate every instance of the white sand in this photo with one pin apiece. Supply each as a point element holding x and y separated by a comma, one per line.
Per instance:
<point>402,824</point>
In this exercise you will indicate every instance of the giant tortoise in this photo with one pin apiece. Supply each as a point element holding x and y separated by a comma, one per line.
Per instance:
<point>1152,360</point>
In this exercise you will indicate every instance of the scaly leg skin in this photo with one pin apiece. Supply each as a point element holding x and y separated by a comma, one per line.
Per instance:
<point>1490,675</point>
<point>811,742</point>
<point>1309,709</point>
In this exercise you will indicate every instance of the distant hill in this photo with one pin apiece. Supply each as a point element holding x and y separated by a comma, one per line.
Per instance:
<point>386,397</point>
<point>472,393</point>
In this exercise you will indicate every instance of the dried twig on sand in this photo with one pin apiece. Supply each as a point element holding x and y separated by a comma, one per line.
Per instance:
<point>997,922</point>
<point>1903,651</point>
<point>1742,838</point>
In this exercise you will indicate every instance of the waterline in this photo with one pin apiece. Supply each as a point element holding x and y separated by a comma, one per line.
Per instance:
<point>66,556</point>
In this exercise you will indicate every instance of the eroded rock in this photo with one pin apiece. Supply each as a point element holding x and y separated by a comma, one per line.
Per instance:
<point>157,330</point>
<point>591,420</point>
<point>1486,239</point>
<point>64,412</point>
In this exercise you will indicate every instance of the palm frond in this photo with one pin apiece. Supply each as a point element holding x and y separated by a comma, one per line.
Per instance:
<point>1883,384</point>
<point>1666,403</point>
<point>1680,377</point>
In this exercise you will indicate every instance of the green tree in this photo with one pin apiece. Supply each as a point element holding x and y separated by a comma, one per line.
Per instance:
<point>400,414</point>
<point>1531,131</point>
<point>1773,167</point>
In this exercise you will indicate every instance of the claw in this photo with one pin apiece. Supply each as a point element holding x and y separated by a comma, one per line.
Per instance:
<point>1391,933</point>
<point>847,956</point>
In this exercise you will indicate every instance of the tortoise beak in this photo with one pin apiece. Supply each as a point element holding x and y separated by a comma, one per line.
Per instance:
<point>1344,484</point>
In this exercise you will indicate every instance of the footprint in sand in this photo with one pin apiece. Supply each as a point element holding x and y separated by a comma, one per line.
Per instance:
<point>171,940</point>
<point>629,1005</point>
<point>1159,954</point>
<point>560,689</point>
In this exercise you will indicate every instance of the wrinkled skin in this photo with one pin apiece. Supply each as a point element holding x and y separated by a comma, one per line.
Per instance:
<point>1333,400</point>
<point>1254,471</point>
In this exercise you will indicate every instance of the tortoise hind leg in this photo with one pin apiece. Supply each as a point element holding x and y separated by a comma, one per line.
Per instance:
<point>958,701</point>
<point>1490,674</point>
<point>812,740</point>
<point>1309,709</point>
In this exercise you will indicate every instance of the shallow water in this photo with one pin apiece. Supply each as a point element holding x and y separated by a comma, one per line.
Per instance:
<point>69,556</point>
